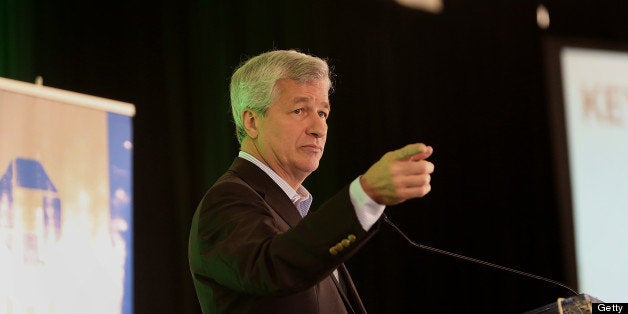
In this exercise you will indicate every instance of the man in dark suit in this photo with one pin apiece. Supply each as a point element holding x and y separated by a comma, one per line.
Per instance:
<point>254,247</point>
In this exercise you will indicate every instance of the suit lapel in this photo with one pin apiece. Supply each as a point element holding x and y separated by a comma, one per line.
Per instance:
<point>342,290</point>
<point>350,294</point>
<point>268,189</point>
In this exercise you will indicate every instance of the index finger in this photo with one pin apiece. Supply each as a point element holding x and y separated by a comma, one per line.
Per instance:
<point>409,151</point>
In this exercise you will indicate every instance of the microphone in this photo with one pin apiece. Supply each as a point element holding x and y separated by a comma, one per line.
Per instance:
<point>475,260</point>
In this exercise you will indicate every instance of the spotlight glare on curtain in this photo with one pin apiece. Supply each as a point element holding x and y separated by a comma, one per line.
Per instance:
<point>542,17</point>
<point>432,6</point>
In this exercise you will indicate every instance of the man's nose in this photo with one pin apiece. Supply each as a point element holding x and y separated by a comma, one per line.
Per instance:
<point>317,126</point>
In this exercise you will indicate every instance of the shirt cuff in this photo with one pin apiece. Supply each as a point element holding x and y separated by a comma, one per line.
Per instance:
<point>366,209</point>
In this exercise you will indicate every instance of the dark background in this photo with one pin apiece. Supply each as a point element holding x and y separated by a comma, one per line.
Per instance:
<point>469,81</point>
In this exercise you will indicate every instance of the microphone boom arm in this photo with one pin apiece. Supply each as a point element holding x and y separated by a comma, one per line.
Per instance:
<point>474,260</point>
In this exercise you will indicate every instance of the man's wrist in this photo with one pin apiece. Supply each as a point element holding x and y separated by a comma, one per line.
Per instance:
<point>366,209</point>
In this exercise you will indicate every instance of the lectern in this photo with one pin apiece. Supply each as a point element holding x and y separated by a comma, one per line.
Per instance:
<point>582,303</point>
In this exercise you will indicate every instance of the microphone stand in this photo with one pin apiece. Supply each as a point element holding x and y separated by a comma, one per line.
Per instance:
<point>475,260</point>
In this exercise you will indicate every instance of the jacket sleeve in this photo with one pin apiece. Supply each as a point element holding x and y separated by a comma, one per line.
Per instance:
<point>237,242</point>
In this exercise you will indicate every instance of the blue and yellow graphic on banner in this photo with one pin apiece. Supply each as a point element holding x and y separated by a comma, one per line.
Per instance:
<point>65,207</point>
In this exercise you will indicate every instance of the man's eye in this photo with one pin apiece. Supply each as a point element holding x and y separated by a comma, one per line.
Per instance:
<point>322,114</point>
<point>298,111</point>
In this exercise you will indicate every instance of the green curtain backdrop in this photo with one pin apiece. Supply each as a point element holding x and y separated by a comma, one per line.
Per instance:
<point>16,39</point>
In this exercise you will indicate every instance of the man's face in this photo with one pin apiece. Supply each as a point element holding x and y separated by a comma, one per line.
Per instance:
<point>292,134</point>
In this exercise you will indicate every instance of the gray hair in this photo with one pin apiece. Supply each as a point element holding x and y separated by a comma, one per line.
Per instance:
<point>253,83</point>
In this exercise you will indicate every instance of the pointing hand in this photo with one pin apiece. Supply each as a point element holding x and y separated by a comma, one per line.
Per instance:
<point>399,175</point>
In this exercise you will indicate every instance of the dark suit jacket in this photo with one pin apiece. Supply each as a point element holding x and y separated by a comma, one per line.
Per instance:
<point>251,252</point>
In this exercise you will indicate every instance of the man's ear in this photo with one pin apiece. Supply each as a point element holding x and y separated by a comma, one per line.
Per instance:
<point>250,121</point>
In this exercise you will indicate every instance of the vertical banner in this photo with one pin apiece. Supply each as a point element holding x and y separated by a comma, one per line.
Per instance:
<point>595,93</point>
<point>65,202</point>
